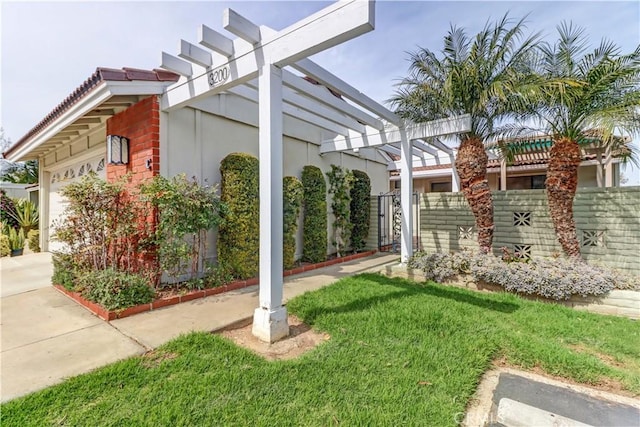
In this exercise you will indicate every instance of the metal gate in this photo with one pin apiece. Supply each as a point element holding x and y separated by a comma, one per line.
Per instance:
<point>390,222</point>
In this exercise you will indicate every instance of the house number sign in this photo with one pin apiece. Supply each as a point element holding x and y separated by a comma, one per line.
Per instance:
<point>218,76</point>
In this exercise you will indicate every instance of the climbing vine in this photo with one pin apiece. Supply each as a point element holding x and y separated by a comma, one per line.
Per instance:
<point>314,248</point>
<point>239,236</point>
<point>340,180</point>
<point>360,209</point>
<point>292,202</point>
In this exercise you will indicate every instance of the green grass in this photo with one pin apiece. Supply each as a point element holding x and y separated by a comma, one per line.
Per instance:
<point>399,354</point>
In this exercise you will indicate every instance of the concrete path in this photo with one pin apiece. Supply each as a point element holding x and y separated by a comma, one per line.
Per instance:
<point>47,337</point>
<point>509,397</point>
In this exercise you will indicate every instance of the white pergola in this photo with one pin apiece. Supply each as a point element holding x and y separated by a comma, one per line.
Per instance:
<point>257,66</point>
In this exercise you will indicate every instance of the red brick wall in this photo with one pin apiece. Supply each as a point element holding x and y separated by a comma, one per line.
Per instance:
<point>141,124</point>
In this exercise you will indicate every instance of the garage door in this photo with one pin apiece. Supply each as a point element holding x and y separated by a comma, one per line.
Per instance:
<point>59,179</point>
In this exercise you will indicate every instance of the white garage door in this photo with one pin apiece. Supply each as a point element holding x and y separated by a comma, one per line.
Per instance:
<point>59,179</point>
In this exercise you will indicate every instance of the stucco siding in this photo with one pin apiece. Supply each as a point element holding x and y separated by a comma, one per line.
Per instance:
<point>198,141</point>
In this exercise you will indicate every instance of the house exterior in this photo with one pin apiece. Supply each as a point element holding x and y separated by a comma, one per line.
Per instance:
<point>72,140</point>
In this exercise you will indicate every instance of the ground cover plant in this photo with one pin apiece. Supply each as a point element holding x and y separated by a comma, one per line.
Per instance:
<point>400,353</point>
<point>553,278</point>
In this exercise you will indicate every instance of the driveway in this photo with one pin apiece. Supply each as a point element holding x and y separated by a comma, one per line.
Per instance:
<point>47,337</point>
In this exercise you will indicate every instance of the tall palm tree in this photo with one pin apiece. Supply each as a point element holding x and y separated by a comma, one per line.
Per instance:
<point>479,76</point>
<point>582,94</point>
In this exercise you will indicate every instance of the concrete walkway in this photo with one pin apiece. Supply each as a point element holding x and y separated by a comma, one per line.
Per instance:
<point>47,337</point>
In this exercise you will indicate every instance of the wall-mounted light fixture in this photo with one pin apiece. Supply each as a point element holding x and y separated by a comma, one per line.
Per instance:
<point>117,150</point>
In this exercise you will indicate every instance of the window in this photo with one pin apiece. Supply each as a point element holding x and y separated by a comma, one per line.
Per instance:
<point>441,187</point>
<point>526,182</point>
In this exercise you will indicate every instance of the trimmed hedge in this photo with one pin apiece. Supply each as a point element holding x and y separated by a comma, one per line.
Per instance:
<point>360,209</point>
<point>239,235</point>
<point>292,202</point>
<point>314,247</point>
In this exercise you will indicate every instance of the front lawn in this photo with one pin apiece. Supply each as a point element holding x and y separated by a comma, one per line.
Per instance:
<point>400,353</point>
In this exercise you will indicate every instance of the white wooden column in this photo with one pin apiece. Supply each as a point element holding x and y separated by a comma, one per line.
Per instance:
<point>270,318</point>
<point>608,168</point>
<point>503,175</point>
<point>406,197</point>
<point>455,179</point>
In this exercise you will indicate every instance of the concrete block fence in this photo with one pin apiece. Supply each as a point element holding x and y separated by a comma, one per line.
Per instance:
<point>607,222</point>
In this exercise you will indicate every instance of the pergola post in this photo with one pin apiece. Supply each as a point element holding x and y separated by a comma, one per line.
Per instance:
<point>503,175</point>
<point>455,179</point>
<point>406,197</point>
<point>270,318</point>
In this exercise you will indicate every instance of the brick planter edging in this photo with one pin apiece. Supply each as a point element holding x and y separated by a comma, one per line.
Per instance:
<point>109,315</point>
<point>615,302</point>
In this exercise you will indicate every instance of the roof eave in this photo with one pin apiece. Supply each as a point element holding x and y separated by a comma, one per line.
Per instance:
<point>92,100</point>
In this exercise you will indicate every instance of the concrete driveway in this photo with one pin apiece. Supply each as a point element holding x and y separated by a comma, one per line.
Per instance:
<point>47,337</point>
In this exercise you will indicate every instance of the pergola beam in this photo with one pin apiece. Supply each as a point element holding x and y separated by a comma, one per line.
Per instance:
<point>323,95</point>
<point>291,97</point>
<point>431,129</point>
<point>440,145</point>
<point>195,54</point>
<point>237,24</point>
<point>418,144</point>
<point>215,41</point>
<point>177,65</point>
<point>291,109</point>
<point>332,25</point>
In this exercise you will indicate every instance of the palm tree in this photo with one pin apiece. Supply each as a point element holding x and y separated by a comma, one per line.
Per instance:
<point>583,94</point>
<point>479,76</point>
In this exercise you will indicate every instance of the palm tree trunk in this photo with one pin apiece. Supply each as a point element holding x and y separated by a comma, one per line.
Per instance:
<point>471,165</point>
<point>561,183</point>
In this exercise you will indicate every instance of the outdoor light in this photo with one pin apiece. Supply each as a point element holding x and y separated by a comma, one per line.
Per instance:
<point>117,150</point>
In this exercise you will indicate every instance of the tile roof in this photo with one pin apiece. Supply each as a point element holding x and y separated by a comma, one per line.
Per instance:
<point>101,74</point>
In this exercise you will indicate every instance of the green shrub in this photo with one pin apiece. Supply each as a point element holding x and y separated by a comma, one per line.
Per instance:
<point>186,212</point>
<point>64,271</point>
<point>340,180</point>
<point>99,226</point>
<point>26,215</point>
<point>360,209</point>
<point>115,289</point>
<point>239,236</point>
<point>314,248</point>
<point>5,249</point>
<point>33,237</point>
<point>557,279</point>
<point>16,238</point>
<point>292,202</point>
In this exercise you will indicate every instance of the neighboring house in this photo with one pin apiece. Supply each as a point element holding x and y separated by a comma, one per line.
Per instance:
<point>15,191</point>
<point>527,169</point>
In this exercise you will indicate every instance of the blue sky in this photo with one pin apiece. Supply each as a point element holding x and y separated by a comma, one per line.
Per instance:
<point>50,48</point>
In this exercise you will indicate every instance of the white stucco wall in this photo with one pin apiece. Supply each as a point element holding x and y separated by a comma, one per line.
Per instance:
<point>196,142</point>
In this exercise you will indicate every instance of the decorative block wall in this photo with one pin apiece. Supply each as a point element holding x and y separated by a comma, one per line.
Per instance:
<point>607,221</point>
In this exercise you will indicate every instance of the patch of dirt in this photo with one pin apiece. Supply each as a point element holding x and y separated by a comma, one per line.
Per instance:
<point>301,339</point>
<point>605,358</point>
<point>154,358</point>
<point>604,384</point>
